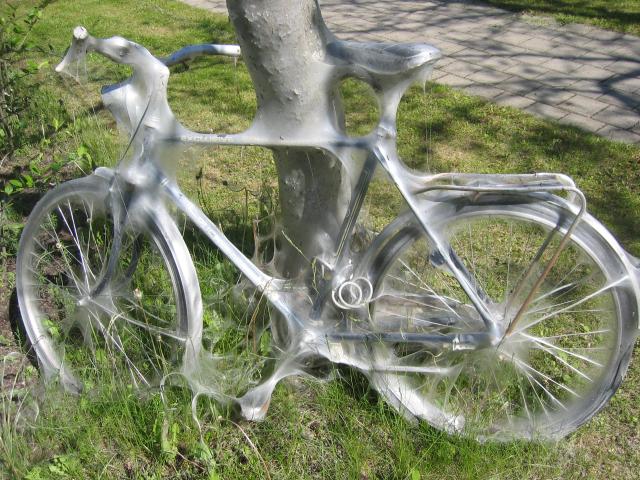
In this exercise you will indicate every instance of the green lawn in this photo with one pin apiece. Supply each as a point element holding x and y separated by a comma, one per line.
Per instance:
<point>329,430</point>
<point>619,15</point>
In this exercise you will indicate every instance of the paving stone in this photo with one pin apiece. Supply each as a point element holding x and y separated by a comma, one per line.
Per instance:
<point>460,68</point>
<point>562,65</point>
<point>456,36</point>
<point>588,72</point>
<point>447,47</point>
<point>618,117</point>
<point>517,26</point>
<point>488,45</point>
<point>569,52</point>
<point>629,42</point>
<point>584,105</point>
<point>557,80</point>
<point>626,84</point>
<point>626,53</point>
<point>600,60</point>
<point>546,27</point>
<point>513,100</point>
<point>455,81</point>
<point>500,63</point>
<point>470,55</point>
<point>512,38</point>
<point>526,70</point>
<point>550,95</point>
<point>395,36</point>
<point>486,91</point>
<point>605,35</point>
<point>619,134</point>
<point>582,121</point>
<point>544,110</point>
<point>503,50</point>
<point>436,74</point>
<point>521,86</point>
<point>589,88</point>
<point>489,76</point>
<point>606,47</point>
<point>467,25</point>
<point>540,44</point>
<point>359,24</point>
<point>625,100</point>
<point>571,38</point>
<point>410,26</point>
<point>532,58</point>
<point>445,60</point>
<point>626,67</point>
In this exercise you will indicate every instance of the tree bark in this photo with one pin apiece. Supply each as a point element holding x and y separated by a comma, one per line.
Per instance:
<point>283,44</point>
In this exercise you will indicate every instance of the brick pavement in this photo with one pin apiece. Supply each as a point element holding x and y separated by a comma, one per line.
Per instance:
<point>573,73</point>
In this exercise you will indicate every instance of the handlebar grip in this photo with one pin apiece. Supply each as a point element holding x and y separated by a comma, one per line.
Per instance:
<point>82,41</point>
<point>76,53</point>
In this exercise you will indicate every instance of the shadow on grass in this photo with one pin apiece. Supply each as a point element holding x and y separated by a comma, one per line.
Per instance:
<point>624,14</point>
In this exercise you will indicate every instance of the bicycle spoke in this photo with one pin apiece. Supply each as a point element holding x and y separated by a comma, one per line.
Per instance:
<point>573,304</point>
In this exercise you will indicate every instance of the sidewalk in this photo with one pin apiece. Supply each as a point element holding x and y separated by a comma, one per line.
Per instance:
<point>575,74</point>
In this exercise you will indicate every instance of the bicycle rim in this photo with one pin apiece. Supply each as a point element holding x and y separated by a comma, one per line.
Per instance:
<point>135,329</point>
<point>567,353</point>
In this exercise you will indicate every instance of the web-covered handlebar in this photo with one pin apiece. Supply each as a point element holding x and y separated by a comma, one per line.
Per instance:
<point>123,51</point>
<point>139,103</point>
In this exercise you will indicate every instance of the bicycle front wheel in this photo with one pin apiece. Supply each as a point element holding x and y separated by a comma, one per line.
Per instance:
<point>138,325</point>
<point>563,358</point>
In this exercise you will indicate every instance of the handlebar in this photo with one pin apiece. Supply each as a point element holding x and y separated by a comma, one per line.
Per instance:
<point>139,103</point>
<point>123,51</point>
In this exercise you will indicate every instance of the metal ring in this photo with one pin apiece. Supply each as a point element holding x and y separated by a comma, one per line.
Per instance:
<point>366,298</point>
<point>350,284</point>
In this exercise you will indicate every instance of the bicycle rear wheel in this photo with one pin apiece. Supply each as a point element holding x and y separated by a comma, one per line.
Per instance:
<point>566,355</point>
<point>138,326</point>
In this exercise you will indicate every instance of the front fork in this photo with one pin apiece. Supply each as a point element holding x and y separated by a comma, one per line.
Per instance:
<point>119,200</point>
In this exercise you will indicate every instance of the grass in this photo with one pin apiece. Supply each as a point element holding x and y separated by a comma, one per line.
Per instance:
<point>618,15</point>
<point>313,430</point>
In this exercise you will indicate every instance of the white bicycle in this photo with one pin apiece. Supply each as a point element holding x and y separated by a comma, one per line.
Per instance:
<point>494,307</point>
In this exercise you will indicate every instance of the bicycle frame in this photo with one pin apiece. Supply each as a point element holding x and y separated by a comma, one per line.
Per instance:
<point>274,288</point>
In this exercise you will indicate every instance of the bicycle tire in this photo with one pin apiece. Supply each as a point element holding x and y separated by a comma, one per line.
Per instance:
<point>556,370</point>
<point>140,326</point>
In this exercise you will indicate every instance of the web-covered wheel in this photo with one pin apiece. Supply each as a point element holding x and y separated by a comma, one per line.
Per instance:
<point>91,323</point>
<point>563,359</point>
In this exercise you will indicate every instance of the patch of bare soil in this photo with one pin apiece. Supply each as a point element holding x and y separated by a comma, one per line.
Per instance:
<point>16,366</point>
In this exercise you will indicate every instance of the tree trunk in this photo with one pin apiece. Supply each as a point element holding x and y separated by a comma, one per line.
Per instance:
<point>283,43</point>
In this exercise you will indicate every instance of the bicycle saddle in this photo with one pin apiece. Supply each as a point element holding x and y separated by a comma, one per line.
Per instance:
<point>384,58</point>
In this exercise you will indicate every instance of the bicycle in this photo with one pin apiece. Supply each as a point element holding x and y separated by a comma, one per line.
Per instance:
<point>494,306</point>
